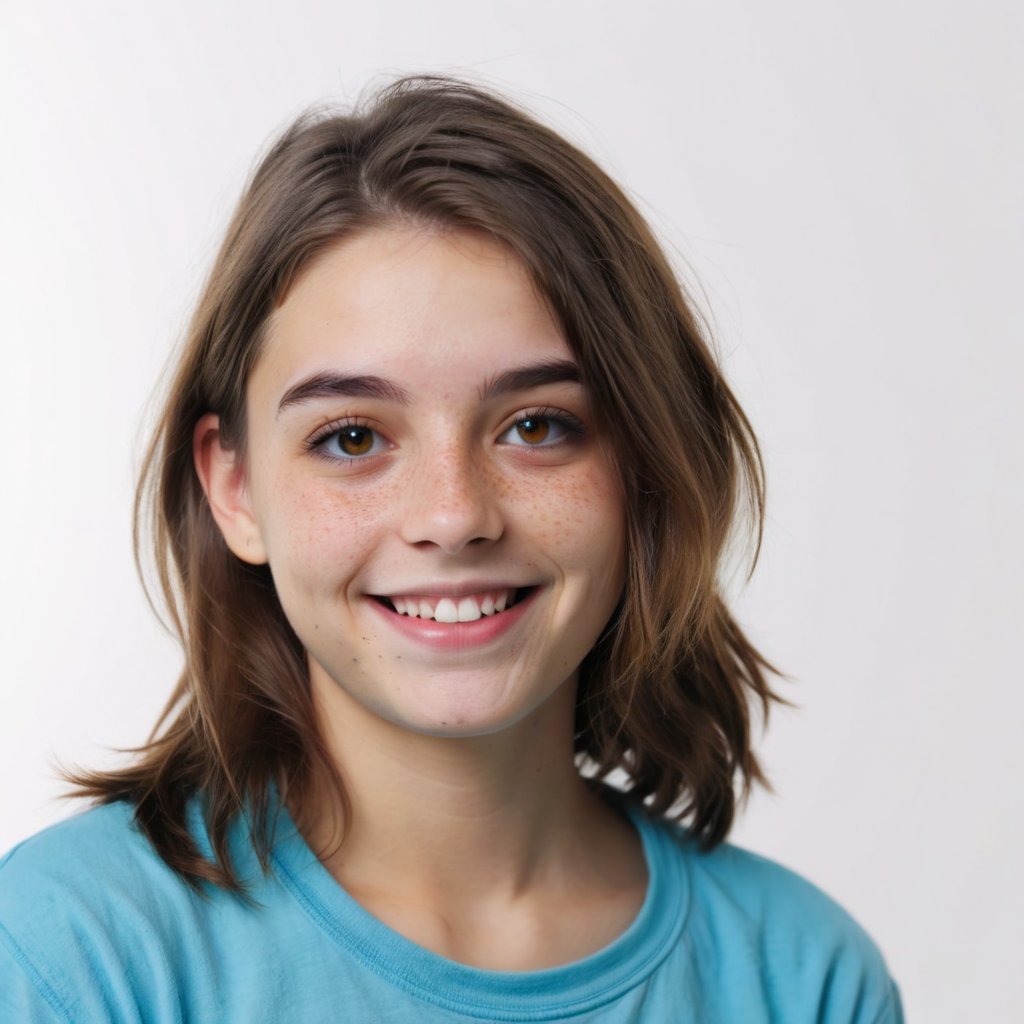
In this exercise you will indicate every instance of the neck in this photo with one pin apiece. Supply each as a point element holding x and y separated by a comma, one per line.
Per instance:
<point>467,815</point>
<point>490,850</point>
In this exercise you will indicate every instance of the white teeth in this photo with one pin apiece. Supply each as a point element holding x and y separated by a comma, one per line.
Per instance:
<point>464,609</point>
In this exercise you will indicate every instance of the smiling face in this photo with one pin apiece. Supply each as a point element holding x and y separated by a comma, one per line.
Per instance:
<point>444,528</point>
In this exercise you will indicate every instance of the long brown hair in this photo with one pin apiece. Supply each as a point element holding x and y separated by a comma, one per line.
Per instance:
<point>666,693</point>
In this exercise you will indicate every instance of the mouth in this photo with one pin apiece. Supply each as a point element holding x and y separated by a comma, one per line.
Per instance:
<point>465,608</point>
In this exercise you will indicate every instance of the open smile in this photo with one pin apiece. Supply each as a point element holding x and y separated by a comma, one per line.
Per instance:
<point>457,620</point>
<point>467,608</point>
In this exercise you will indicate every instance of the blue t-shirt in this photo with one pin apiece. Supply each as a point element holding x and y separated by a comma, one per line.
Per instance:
<point>94,927</point>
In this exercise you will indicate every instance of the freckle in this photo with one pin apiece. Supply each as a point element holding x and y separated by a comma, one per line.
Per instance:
<point>355,661</point>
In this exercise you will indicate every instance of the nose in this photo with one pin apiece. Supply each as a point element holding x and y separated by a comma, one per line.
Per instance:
<point>451,501</point>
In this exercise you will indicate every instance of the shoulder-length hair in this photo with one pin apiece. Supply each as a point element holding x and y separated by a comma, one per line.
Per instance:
<point>665,695</point>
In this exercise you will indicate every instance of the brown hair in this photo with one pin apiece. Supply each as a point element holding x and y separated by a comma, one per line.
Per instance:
<point>665,694</point>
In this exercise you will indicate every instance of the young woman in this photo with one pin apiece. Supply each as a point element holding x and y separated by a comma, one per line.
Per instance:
<point>439,494</point>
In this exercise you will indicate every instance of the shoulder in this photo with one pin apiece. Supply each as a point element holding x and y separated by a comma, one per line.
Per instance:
<point>94,858</point>
<point>97,826</point>
<point>758,924</point>
<point>777,899</point>
<point>95,864</point>
<point>85,906</point>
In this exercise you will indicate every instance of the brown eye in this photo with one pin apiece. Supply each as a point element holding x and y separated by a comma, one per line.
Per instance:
<point>545,428</point>
<point>534,429</point>
<point>351,442</point>
<point>355,440</point>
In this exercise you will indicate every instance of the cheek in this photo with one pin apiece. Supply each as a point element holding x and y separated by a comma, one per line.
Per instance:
<point>318,532</point>
<point>578,517</point>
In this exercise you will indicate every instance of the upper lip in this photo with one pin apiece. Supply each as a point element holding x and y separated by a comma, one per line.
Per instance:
<point>452,590</point>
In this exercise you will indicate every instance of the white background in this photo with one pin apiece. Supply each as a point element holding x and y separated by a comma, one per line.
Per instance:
<point>844,179</point>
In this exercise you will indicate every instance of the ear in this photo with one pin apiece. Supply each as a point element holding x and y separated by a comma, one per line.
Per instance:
<point>222,475</point>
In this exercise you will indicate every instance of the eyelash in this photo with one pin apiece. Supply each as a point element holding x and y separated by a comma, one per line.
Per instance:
<point>317,442</point>
<point>572,427</point>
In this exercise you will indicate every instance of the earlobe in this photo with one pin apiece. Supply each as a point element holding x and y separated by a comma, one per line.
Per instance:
<point>223,478</point>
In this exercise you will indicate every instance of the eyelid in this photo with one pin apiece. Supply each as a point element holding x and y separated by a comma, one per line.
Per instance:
<point>325,430</point>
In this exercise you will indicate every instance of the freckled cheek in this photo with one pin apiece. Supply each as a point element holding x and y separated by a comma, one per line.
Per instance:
<point>579,514</point>
<point>324,532</point>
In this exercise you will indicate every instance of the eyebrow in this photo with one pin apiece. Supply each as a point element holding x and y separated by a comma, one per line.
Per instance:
<point>339,385</point>
<point>553,371</point>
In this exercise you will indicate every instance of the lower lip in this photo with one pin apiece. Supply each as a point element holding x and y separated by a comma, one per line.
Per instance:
<point>451,636</point>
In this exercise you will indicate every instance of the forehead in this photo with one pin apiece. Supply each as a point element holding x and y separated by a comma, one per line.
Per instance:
<point>397,300</point>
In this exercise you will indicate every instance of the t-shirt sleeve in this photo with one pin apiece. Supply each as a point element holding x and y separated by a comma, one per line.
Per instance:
<point>74,944</point>
<point>824,957</point>
<point>23,996</point>
<point>760,928</point>
<point>892,1010</point>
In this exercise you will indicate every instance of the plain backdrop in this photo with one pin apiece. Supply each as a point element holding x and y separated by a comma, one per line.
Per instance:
<point>841,185</point>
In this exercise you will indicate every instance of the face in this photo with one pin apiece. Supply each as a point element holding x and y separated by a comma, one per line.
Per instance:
<point>444,527</point>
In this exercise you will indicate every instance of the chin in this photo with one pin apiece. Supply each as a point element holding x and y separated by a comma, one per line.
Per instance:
<point>460,720</point>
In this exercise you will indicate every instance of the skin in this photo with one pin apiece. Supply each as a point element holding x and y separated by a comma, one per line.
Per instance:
<point>471,831</point>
